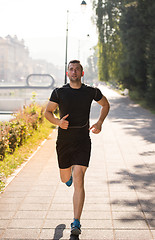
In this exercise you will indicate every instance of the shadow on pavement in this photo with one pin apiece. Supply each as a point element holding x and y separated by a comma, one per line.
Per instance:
<point>136,120</point>
<point>59,231</point>
<point>142,181</point>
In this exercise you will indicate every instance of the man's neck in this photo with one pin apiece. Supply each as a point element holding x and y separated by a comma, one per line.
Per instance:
<point>75,84</point>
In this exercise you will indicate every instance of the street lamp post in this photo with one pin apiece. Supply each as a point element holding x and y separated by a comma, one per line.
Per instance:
<point>66,49</point>
<point>83,4</point>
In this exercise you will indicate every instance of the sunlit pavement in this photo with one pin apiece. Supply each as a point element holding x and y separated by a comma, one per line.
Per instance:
<point>120,202</point>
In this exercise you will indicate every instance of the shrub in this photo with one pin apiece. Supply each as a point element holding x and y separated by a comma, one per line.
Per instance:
<point>15,132</point>
<point>3,140</point>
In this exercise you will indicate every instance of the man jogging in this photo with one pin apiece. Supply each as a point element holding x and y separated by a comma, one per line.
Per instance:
<point>73,142</point>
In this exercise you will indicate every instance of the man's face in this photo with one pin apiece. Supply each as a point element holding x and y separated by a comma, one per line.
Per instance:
<point>74,72</point>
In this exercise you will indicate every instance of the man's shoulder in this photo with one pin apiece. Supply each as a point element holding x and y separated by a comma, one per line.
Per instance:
<point>66,86</point>
<point>88,87</point>
<point>59,89</point>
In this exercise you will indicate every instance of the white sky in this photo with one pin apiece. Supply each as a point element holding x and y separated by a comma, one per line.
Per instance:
<point>42,25</point>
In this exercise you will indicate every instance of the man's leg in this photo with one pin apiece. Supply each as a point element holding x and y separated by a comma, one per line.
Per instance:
<point>65,174</point>
<point>79,192</point>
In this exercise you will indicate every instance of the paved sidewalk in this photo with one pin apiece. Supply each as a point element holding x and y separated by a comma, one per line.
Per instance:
<point>120,193</point>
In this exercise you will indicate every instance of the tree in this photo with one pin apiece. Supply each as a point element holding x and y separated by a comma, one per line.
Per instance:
<point>109,45</point>
<point>150,53</point>
<point>91,71</point>
<point>126,44</point>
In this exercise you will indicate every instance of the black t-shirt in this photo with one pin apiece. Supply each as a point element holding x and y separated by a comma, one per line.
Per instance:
<point>75,102</point>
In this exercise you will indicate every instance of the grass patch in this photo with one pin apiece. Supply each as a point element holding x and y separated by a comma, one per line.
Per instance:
<point>21,154</point>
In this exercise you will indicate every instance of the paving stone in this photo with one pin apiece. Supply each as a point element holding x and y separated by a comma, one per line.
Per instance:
<point>86,224</point>
<point>57,233</point>
<point>62,207</point>
<point>39,199</point>
<point>130,224</point>
<point>14,194</point>
<point>100,201</point>
<point>133,234</point>
<point>57,223</point>
<point>9,206</point>
<point>10,200</point>
<point>96,215</point>
<point>30,214</point>
<point>1,233</point>
<point>99,194</point>
<point>150,215</point>
<point>153,233</point>
<point>21,234</point>
<point>17,188</point>
<point>147,206</point>
<point>151,223</point>
<point>96,206</point>
<point>128,215</point>
<point>96,224</point>
<point>93,234</point>
<point>25,223</point>
<point>41,193</point>
<point>60,215</point>
<point>3,223</point>
<point>123,195</point>
<point>6,214</point>
<point>126,208</point>
<point>43,188</point>
<point>33,206</point>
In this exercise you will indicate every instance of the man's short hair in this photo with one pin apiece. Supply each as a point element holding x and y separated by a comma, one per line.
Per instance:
<point>76,61</point>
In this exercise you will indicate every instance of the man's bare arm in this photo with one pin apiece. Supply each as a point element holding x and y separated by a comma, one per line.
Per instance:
<point>49,115</point>
<point>96,128</point>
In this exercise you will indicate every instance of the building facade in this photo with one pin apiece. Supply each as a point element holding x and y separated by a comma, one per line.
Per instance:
<point>14,59</point>
<point>16,63</point>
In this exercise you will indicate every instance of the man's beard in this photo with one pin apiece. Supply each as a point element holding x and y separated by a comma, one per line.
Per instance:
<point>75,79</point>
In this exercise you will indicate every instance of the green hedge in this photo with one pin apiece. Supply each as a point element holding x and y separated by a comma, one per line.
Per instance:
<point>15,132</point>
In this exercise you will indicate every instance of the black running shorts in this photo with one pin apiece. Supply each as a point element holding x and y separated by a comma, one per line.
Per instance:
<point>73,147</point>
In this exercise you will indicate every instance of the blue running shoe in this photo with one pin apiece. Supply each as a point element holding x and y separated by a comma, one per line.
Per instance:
<point>76,227</point>
<point>69,182</point>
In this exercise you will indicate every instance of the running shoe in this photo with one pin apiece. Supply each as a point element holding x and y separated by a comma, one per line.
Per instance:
<point>69,182</point>
<point>75,227</point>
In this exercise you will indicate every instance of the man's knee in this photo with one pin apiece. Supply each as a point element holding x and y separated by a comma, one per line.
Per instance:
<point>64,179</point>
<point>78,180</point>
<point>65,174</point>
<point>78,177</point>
